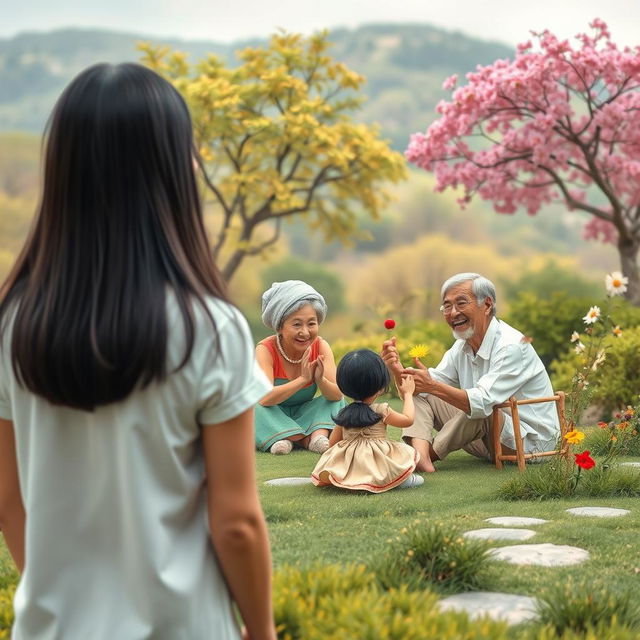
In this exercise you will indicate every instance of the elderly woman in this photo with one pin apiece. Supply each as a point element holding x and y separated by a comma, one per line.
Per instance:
<point>299,363</point>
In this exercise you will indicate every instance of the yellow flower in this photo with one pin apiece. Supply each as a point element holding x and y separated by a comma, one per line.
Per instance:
<point>419,351</point>
<point>574,436</point>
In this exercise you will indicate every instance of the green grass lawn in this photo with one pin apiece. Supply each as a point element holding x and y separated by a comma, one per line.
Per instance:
<point>309,524</point>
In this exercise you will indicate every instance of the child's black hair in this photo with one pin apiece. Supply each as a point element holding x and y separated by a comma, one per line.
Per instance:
<point>360,374</point>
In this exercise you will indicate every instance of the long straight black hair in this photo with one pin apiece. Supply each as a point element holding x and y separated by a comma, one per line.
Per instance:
<point>360,375</point>
<point>119,222</point>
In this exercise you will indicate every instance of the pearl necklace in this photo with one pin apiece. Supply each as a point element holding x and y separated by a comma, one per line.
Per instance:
<point>283,354</point>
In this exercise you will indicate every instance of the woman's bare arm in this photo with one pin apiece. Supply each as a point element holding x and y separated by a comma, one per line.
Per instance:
<point>237,524</point>
<point>12,514</point>
<point>325,374</point>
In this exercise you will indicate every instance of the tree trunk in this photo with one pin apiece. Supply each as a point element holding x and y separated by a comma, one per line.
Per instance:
<point>232,264</point>
<point>628,251</point>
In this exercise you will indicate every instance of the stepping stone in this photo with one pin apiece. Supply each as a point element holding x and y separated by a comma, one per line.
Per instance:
<point>543,555</point>
<point>288,482</point>
<point>500,534</point>
<point>506,607</point>
<point>630,464</point>
<point>598,512</point>
<point>513,521</point>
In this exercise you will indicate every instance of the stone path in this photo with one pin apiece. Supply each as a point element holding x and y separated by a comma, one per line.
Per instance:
<point>598,512</point>
<point>513,521</point>
<point>508,607</point>
<point>500,534</point>
<point>542,555</point>
<point>288,482</point>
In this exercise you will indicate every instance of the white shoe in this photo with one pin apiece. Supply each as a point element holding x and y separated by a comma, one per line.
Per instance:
<point>414,480</point>
<point>281,448</point>
<point>319,444</point>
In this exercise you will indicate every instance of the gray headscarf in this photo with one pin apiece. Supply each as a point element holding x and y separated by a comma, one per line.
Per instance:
<point>281,297</point>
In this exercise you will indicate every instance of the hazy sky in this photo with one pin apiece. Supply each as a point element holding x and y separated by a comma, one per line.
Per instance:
<point>505,20</point>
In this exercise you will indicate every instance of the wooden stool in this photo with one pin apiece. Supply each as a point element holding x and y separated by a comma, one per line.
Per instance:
<point>521,456</point>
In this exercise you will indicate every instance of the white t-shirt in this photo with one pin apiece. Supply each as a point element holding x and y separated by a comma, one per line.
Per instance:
<point>505,365</point>
<point>117,542</point>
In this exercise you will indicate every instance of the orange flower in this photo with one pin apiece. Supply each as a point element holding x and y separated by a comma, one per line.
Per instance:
<point>623,425</point>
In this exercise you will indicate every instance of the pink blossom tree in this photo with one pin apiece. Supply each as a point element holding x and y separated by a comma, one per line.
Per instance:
<point>559,123</point>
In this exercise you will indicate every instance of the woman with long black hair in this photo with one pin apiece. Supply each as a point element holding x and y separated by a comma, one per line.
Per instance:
<point>127,386</point>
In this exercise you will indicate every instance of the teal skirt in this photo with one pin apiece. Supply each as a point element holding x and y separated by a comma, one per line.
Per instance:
<point>299,415</point>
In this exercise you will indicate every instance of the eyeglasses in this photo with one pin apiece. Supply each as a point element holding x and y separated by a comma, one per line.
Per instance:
<point>461,304</point>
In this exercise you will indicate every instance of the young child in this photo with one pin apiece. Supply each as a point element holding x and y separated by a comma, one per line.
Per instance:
<point>361,457</point>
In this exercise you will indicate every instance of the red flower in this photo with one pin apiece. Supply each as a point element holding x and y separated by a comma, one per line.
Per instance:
<point>389,323</point>
<point>584,460</point>
<point>603,425</point>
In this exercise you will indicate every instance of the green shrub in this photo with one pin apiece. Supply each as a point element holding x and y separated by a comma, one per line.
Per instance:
<point>324,280</point>
<point>617,382</point>
<point>430,554</point>
<point>340,603</point>
<point>551,278</point>
<point>578,607</point>
<point>6,611</point>
<point>549,321</point>
<point>599,631</point>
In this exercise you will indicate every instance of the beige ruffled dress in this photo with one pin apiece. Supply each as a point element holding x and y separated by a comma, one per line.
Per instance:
<point>366,460</point>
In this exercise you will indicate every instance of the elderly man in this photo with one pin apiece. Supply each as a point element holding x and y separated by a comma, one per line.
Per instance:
<point>489,362</point>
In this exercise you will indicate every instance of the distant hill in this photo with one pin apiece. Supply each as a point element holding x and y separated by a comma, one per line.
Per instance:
<point>405,66</point>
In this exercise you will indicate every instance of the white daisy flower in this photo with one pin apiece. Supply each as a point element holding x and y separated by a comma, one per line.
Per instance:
<point>579,348</point>
<point>592,315</point>
<point>575,336</point>
<point>616,283</point>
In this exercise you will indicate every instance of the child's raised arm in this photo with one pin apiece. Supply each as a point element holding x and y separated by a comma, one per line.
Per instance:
<point>405,419</point>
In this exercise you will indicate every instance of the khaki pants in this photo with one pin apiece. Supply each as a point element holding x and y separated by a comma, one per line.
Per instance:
<point>454,429</point>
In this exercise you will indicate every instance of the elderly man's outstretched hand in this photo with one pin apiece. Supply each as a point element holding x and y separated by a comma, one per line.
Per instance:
<point>420,373</point>
<point>391,358</point>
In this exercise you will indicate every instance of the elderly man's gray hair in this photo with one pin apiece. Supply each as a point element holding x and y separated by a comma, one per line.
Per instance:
<point>480,286</point>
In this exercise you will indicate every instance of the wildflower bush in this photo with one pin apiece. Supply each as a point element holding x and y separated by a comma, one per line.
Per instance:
<point>562,476</point>
<point>434,555</point>
<point>617,385</point>
<point>620,436</point>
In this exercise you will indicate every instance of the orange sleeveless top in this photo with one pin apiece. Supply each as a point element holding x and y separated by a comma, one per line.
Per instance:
<point>278,365</point>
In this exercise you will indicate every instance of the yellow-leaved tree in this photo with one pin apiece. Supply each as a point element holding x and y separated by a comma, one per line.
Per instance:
<point>277,139</point>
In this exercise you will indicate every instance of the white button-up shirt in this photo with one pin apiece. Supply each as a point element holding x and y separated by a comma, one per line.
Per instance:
<point>505,365</point>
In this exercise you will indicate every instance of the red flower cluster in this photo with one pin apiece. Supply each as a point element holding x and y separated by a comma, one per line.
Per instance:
<point>584,460</point>
<point>389,323</point>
